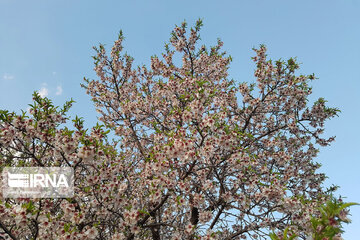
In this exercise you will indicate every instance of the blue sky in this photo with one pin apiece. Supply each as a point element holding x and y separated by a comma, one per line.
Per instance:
<point>47,45</point>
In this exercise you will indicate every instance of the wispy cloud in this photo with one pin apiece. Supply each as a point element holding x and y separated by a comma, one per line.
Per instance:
<point>8,76</point>
<point>59,90</point>
<point>43,92</point>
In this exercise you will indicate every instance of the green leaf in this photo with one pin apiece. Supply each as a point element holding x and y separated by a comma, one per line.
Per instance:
<point>67,227</point>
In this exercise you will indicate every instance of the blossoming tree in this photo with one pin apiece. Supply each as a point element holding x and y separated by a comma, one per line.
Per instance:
<point>194,155</point>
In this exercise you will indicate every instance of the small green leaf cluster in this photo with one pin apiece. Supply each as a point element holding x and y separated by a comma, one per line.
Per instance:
<point>327,225</point>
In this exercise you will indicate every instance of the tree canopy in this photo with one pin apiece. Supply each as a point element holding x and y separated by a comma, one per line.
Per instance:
<point>194,154</point>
